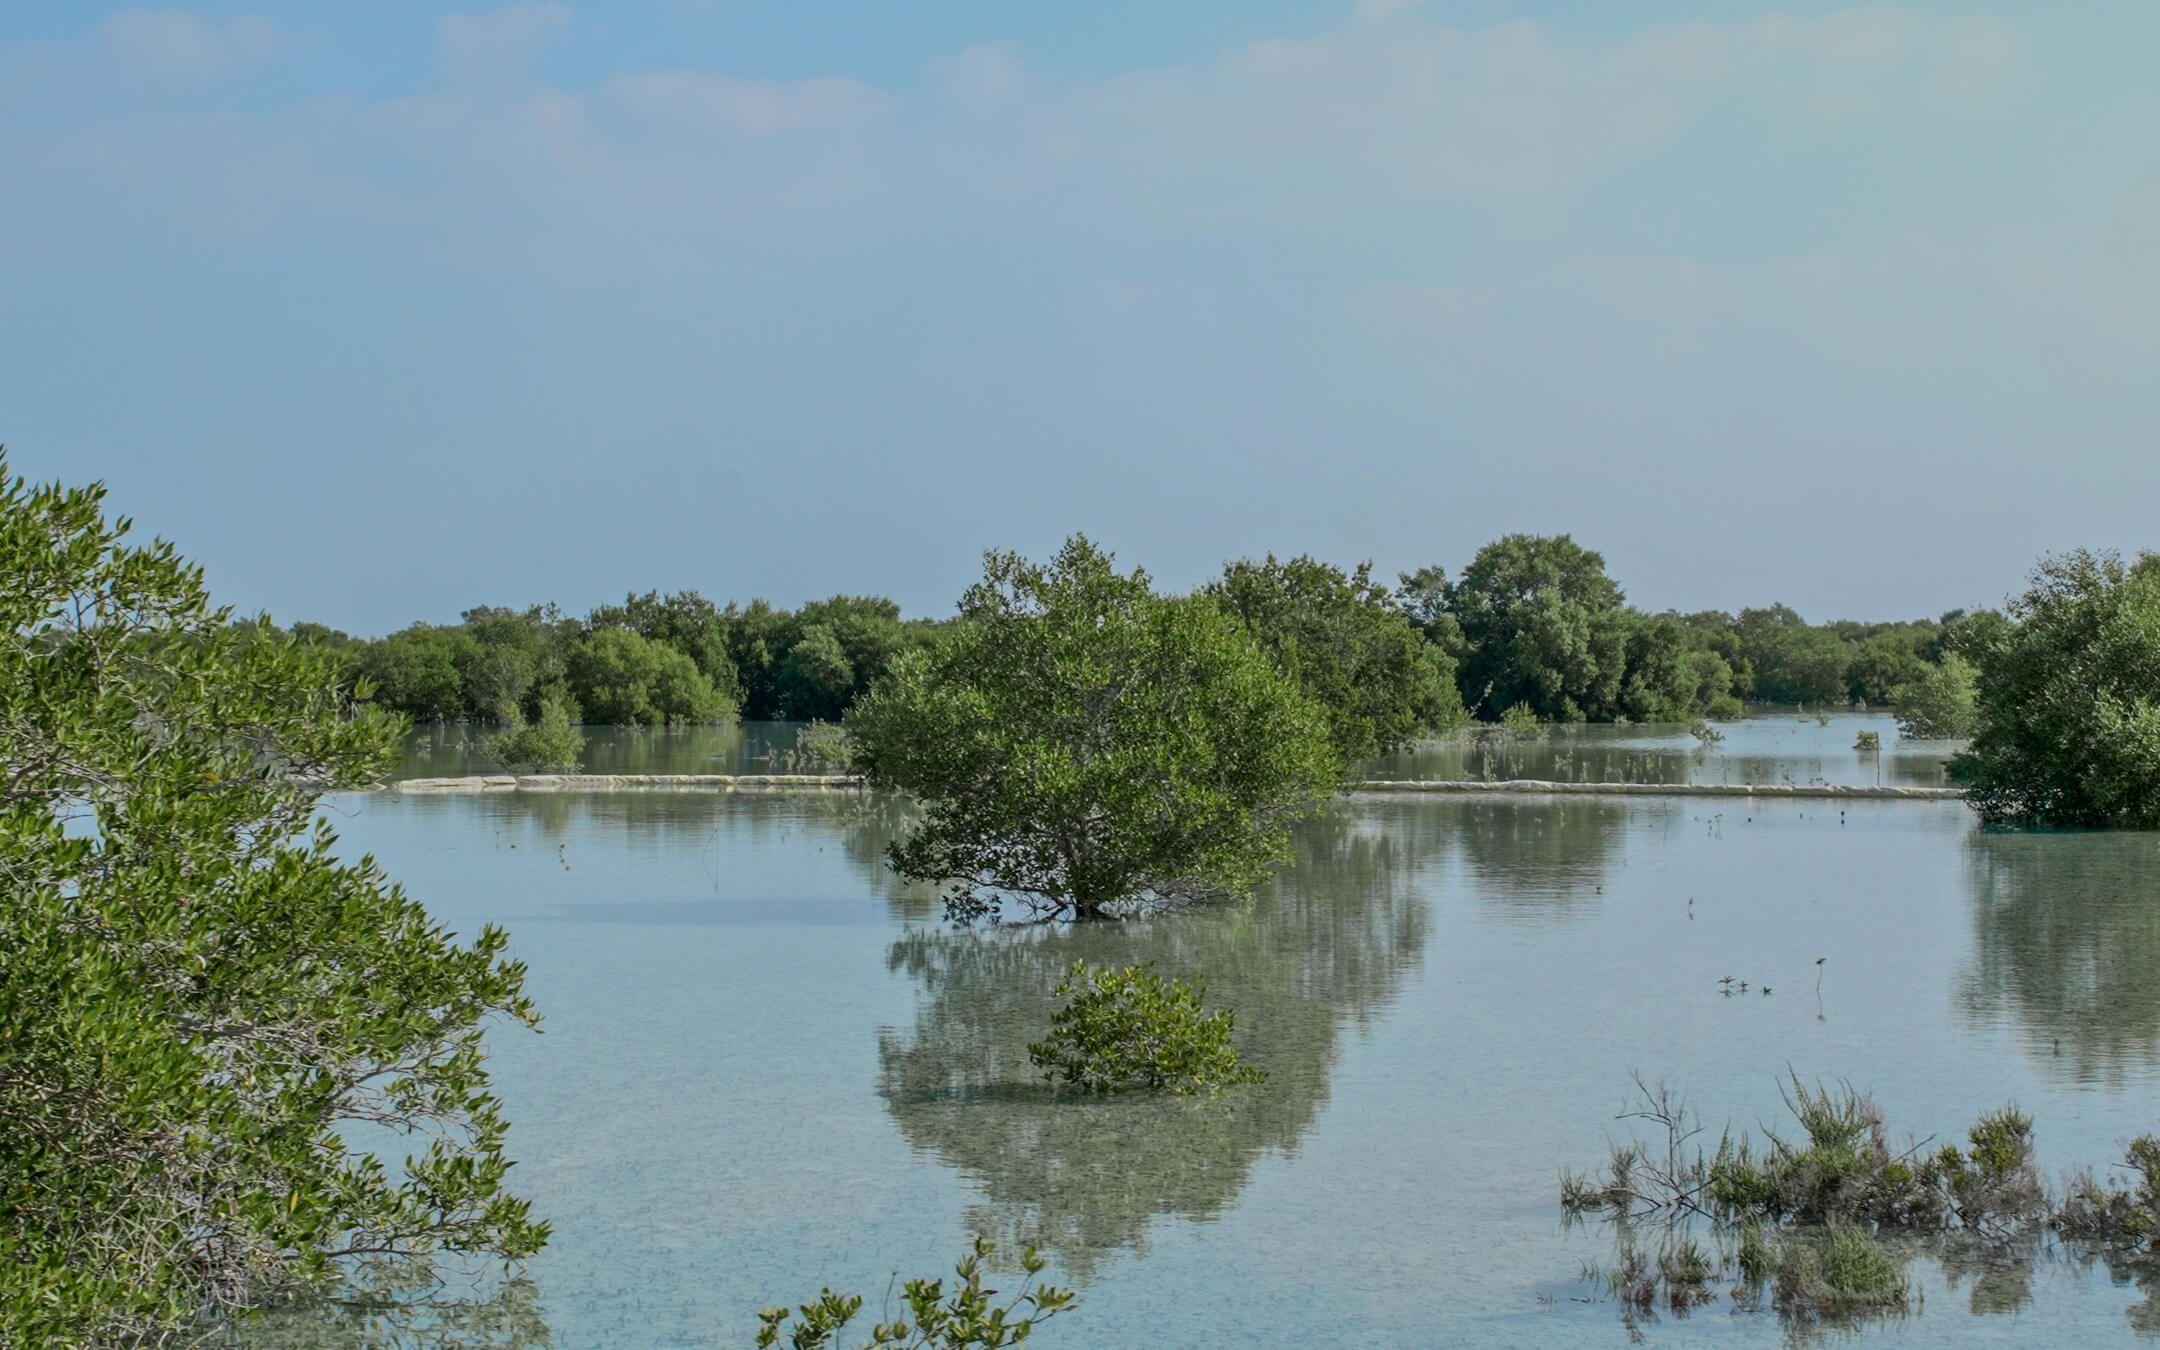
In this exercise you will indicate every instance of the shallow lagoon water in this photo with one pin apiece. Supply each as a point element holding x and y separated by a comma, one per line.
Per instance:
<point>766,1068</point>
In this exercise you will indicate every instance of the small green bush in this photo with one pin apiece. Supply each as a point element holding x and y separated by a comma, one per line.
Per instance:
<point>1130,1027</point>
<point>934,1320</point>
<point>550,743</point>
<point>1521,720</point>
<point>1868,742</point>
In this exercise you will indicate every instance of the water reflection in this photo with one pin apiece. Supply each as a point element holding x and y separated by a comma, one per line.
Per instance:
<point>2066,931</point>
<point>1536,859</point>
<point>1327,944</point>
<point>1767,748</point>
<point>1770,747</point>
<point>410,1308</point>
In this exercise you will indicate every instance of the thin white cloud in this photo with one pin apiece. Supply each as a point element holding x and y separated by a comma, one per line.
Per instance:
<point>494,48</point>
<point>176,42</point>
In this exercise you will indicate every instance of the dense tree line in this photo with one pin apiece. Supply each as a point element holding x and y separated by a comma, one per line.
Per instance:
<point>1534,621</point>
<point>1531,622</point>
<point>653,660</point>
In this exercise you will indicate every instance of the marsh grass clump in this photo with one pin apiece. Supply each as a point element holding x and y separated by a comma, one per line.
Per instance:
<point>1819,1223</point>
<point>1838,1271</point>
<point>1129,1027</point>
<point>1843,1170</point>
<point>2116,1216</point>
<point>965,1319</point>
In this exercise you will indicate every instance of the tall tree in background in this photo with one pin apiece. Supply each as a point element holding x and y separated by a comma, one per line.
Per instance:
<point>1341,637</point>
<point>1544,627</point>
<point>207,1019</point>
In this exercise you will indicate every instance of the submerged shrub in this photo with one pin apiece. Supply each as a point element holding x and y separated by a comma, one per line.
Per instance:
<point>1992,1185</point>
<point>822,747</point>
<point>1867,742</point>
<point>550,743</point>
<point>2117,1216</point>
<point>1130,1027</point>
<point>964,1319</point>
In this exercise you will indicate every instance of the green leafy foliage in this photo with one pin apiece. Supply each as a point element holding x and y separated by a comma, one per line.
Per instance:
<point>1341,637</point>
<point>420,671</point>
<point>2068,707</point>
<point>1544,626</point>
<point>686,622</point>
<point>1839,1169</point>
<point>207,1021</point>
<point>1535,623</point>
<point>631,680</point>
<point>968,1318</point>
<point>1129,1027</point>
<point>813,664</point>
<point>1941,701</point>
<point>1090,748</point>
<point>550,743</point>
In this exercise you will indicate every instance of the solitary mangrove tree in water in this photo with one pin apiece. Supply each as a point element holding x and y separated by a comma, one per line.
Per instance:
<point>1091,748</point>
<point>204,1015</point>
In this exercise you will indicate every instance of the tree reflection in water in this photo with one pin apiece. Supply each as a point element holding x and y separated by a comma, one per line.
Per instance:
<point>2066,930</point>
<point>1326,944</point>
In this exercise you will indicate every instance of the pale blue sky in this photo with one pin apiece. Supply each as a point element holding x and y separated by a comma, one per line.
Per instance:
<point>382,311</point>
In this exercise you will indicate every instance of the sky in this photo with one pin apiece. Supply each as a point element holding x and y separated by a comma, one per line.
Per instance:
<point>385,311</point>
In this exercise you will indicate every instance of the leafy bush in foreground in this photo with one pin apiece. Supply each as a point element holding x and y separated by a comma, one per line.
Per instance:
<point>205,1016</point>
<point>962,1320</point>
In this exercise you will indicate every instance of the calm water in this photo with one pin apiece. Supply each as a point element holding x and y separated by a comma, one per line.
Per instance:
<point>1764,748</point>
<point>766,1068</point>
